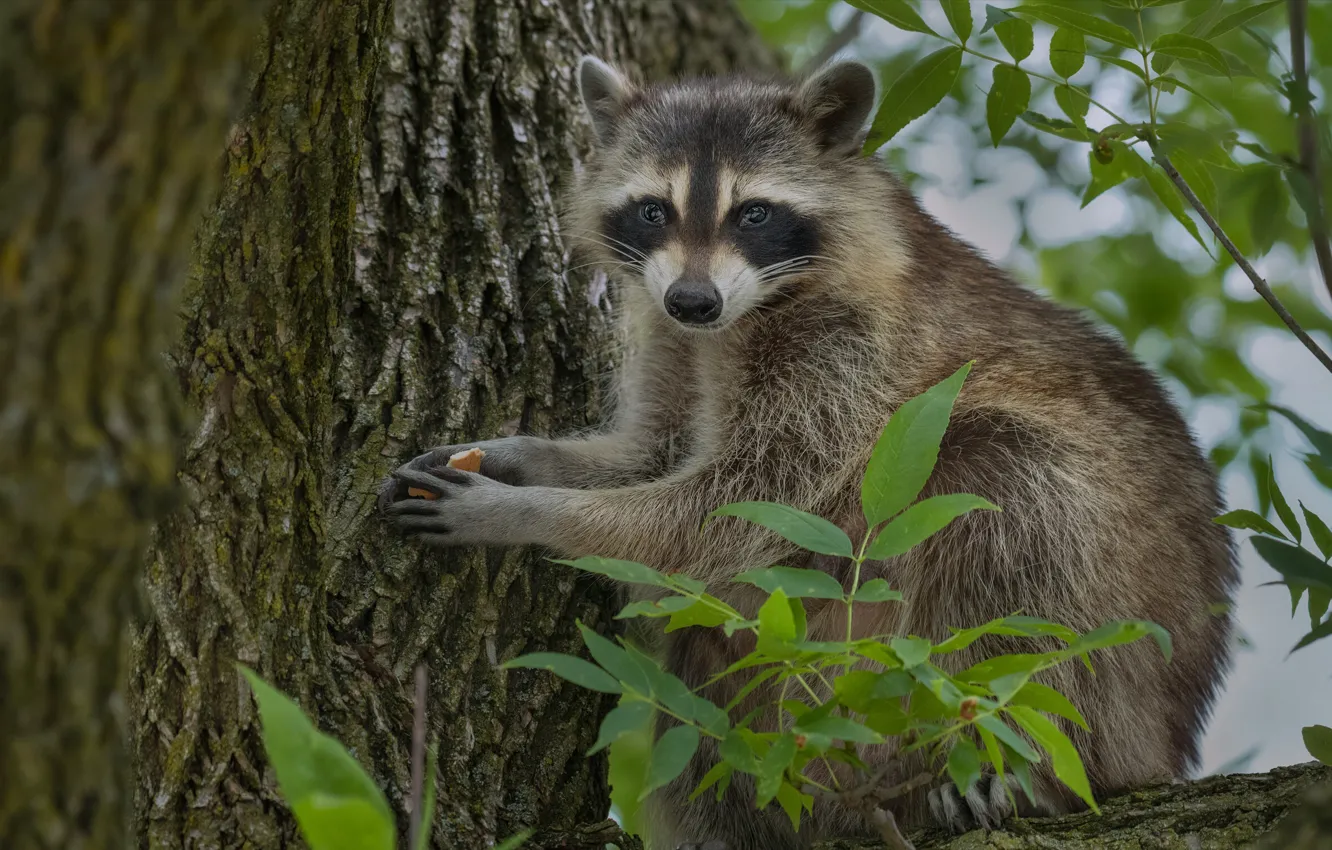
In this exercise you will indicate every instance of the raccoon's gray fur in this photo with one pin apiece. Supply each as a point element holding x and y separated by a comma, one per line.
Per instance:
<point>782,296</point>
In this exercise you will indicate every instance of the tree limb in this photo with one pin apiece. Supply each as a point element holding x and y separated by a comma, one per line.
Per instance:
<point>1307,133</point>
<point>1259,284</point>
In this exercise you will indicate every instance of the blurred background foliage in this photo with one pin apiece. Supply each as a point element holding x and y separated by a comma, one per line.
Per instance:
<point>1124,258</point>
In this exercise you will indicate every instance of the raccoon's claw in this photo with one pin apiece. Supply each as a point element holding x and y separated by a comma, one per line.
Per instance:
<point>984,807</point>
<point>706,845</point>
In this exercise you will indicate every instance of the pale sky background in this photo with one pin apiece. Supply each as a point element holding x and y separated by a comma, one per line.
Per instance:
<point>1268,696</point>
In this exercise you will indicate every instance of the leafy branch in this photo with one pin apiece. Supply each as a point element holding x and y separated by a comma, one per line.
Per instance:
<point>921,87</point>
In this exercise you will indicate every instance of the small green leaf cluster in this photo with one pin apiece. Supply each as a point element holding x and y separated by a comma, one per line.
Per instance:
<point>1302,571</point>
<point>833,699</point>
<point>1157,65</point>
<point>336,804</point>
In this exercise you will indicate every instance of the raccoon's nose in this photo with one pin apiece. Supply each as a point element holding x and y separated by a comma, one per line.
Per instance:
<point>694,302</point>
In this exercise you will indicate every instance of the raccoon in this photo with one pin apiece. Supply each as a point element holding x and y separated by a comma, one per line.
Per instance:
<point>782,296</point>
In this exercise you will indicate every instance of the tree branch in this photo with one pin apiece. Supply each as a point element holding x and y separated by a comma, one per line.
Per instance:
<point>1307,134</point>
<point>837,41</point>
<point>1259,284</point>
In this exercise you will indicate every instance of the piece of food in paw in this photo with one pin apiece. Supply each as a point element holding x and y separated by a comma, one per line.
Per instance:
<point>467,461</point>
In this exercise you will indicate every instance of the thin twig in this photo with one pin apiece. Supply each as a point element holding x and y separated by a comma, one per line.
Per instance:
<point>901,789</point>
<point>418,756</point>
<point>886,825</point>
<point>1259,284</point>
<point>837,41</point>
<point>1307,132</point>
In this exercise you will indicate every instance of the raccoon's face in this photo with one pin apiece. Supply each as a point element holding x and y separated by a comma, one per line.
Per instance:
<point>714,195</point>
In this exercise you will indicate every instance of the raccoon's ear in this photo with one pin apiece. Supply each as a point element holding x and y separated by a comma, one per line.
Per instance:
<point>604,91</point>
<point>838,99</point>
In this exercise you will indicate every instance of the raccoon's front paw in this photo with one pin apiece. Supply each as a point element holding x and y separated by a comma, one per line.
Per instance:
<point>706,845</point>
<point>504,460</point>
<point>985,806</point>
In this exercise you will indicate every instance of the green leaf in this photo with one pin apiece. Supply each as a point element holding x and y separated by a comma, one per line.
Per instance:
<point>1067,764</point>
<point>1107,175</point>
<point>777,627</point>
<point>964,765</point>
<point>1323,630</point>
<point>1318,741</point>
<point>1056,127</point>
<point>896,12</point>
<point>626,718</point>
<point>1169,196</point>
<point>1047,699</point>
<point>922,520</point>
<point>1164,80</point>
<point>1177,45</point>
<point>1195,174</point>
<point>1068,52</point>
<point>807,531</point>
<point>1321,440</point>
<point>1010,93</point>
<point>576,670</point>
<point>331,822</point>
<point>615,661</point>
<point>721,770</point>
<point>996,727</point>
<point>331,796</point>
<point>1296,565</point>
<point>959,18</point>
<point>1015,625</point>
<point>911,650</point>
<point>1318,530</point>
<point>627,571</point>
<point>772,768</point>
<point>708,613</point>
<point>841,728</point>
<point>795,583</point>
<point>738,752</point>
<point>907,450</point>
<point>670,757</point>
<point>1240,17</point>
<point>1282,507</point>
<point>994,16</point>
<point>917,91</point>
<point>1079,21</point>
<point>1016,37</point>
<point>1119,632</point>
<point>513,842</point>
<point>1124,64</point>
<point>1319,600</point>
<point>877,590</point>
<point>792,802</point>
<point>1248,521</point>
<point>1074,102</point>
<point>1021,770</point>
<point>654,608</point>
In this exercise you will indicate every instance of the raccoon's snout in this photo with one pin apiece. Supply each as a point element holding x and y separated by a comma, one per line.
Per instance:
<point>693,302</point>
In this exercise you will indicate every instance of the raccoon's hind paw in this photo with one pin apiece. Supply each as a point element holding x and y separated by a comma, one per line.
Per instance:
<point>705,845</point>
<point>985,806</point>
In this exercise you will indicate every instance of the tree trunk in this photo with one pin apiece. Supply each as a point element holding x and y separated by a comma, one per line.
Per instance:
<point>111,119</point>
<point>383,272</point>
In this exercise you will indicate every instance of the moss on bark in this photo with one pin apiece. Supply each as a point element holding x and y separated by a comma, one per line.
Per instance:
<point>383,271</point>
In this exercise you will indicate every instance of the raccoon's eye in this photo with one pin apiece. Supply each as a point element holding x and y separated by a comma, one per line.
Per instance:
<point>652,212</point>
<point>753,214</point>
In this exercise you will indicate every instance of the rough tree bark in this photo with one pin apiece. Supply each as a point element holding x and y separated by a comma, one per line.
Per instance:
<point>383,271</point>
<point>1216,813</point>
<point>111,119</point>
